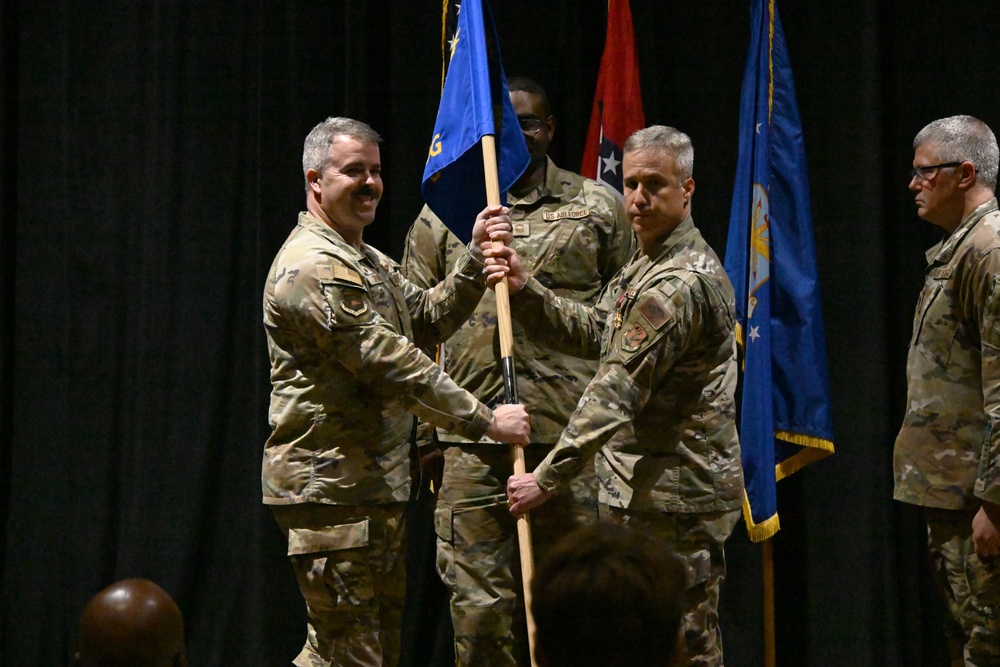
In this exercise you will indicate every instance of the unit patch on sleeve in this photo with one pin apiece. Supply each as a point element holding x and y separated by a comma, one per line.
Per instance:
<point>634,338</point>
<point>353,302</point>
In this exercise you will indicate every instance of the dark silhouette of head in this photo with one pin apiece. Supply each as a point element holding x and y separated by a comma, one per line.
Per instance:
<point>607,595</point>
<point>132,622</point>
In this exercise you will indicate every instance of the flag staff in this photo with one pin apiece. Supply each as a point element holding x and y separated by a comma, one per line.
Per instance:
<point>510,392</point>
<point>768,567</point>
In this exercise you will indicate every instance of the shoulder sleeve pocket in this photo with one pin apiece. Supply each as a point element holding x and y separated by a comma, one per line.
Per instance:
<point>991,314</point>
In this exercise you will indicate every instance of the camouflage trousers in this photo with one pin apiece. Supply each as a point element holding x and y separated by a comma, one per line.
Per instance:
<point>971,588</point>
<point>699,540</point>
<point>349,563</point>
<point>477,552</point>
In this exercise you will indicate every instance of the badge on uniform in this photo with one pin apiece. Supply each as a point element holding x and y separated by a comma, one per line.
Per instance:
<point>578,214</point>
<point>341,272</point>
<point>654,313</point>
<point>634,338</point>
<point>522,229</point>
<point>353,302</point>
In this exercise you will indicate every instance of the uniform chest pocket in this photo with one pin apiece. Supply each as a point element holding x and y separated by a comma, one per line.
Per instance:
<point>937,319</point>
<point>572,256</point>
<point>384,296</point>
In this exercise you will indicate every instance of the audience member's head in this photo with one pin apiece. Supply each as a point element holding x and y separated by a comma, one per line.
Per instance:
<point>609,596</point>
<point>132,622</point>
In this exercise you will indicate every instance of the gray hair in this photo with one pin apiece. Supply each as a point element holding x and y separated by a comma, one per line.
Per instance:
<point>671,140</point>
<point>318,154</point>
<point>963,139</point>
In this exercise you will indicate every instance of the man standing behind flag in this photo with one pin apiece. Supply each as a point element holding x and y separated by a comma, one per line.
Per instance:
<point>947,453</point>
<point>661,407</point>
<point>573,236</point>
<point>342,329</point>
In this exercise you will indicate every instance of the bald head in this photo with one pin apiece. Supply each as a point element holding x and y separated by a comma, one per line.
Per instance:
<point>131,622</point>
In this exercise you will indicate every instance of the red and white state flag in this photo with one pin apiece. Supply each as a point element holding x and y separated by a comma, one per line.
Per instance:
<point>617,109</point>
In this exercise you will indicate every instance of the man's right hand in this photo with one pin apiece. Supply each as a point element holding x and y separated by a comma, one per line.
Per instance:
<point>523,493</point>
<point>503,261</point>
<point>511,424</point>
<point>986,530</point>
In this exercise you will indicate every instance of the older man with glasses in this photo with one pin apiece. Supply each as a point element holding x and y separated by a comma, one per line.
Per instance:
<point>947,453</point>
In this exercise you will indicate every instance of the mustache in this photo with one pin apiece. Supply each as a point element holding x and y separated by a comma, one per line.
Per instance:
<point>367,191</point>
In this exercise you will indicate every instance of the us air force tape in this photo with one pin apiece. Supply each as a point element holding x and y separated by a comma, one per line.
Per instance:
<point>578,214</point>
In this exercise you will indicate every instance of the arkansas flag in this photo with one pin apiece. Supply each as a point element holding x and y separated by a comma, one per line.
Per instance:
<point>617,109</point>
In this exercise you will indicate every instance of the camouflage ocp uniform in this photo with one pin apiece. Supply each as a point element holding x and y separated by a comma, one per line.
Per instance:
<point>571,233</point>
<point>660,409</point>
<point>947,454</point>
<point>345,379</point>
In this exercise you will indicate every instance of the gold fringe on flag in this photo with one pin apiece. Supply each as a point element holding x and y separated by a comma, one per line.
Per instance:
<point>814,449</point>
<point>758,532</point>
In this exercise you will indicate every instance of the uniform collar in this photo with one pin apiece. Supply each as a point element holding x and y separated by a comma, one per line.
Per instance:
<point>675,241</point>
<point>317,226</point>
<point>945,250</point>
<point>545,188</point>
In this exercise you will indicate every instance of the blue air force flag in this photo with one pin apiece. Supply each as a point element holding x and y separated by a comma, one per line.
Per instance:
<point>475,102</point>
<point>785,419</point>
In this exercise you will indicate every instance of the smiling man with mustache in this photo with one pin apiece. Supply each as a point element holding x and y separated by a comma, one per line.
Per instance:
<point>343,327</point>
<point>947,453</point>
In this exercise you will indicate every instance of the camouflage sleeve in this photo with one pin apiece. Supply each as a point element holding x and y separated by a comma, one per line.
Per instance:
<point>561,323</point>
<point>630,371</point>
<point>438,312</point>
<point>357,337</point>
<point>431,250</point>
<point>988,482</point>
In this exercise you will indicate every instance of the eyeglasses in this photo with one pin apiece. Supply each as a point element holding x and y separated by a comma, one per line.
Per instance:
<point>924,173</point>
<point>530,125</point>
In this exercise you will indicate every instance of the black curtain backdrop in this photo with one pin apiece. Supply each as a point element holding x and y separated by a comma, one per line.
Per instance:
<point>151,168</point>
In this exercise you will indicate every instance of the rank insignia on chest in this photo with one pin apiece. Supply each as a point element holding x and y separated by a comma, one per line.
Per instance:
<point>353,303</point>
<point>522,229</point>
<point>634,338</point>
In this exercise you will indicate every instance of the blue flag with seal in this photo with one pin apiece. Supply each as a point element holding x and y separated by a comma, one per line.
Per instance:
<point>474,98</point>
<point>785,414</point>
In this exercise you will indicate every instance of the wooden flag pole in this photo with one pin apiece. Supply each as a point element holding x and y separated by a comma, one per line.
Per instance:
<point>510,393</point>
<point>768,566</point>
